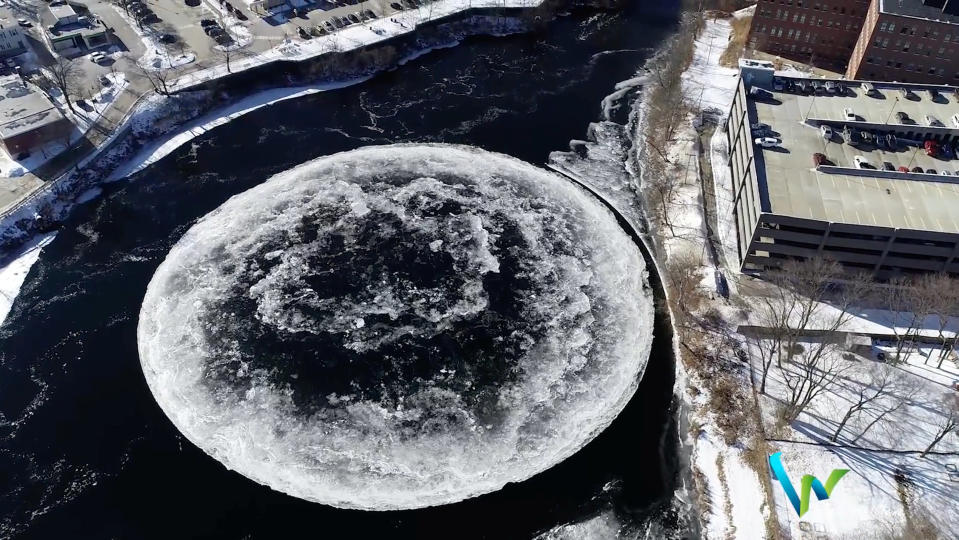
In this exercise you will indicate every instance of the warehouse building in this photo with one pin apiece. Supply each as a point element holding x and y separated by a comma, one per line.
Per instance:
<point>866,190</point>
<point>28,120</point>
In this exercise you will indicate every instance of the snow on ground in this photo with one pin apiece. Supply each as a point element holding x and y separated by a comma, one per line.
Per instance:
<point>84,116</point>
<point>162,146</point>
<point>737,502</point>
<point>706,83</point>
<point>912,399</point>
<point>11,167</point>
<point>867,502</point>
<point>14,270</point>
<point>156,56</point>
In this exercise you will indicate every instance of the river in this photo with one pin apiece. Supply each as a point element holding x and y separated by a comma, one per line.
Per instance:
<point>85,452</point>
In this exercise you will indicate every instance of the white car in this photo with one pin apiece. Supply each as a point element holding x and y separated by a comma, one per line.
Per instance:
<point>945,173</point>
<point>97,57</point>
<point>768,142</point>
<point>831,87</point>
<point>861,163</point>
<point>826,132</point>
<point>849,115</point>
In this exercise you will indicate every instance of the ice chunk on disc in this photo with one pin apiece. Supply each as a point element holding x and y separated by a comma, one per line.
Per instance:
<point>398,326</point>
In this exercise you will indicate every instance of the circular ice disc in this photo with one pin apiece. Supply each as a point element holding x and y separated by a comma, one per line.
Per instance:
<point>398,326</point>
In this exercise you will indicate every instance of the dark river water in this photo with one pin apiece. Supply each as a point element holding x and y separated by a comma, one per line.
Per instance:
<point>85,451</point>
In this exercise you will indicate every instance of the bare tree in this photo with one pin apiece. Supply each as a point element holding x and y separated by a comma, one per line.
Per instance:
<point>160,79</point>
<point>816,298</point>
<point>66,76</point>
<point>881,381</point>
<point>230,53</point>
<point>910,301</point>
<point>682,271</point>
<point>948,422</point>
<point>944,306</point>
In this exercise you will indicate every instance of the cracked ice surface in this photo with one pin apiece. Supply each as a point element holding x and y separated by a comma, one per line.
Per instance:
<point>398,326</point>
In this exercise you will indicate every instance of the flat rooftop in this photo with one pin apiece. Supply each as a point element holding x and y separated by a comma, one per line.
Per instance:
<point>915,8</point>
<point>21,109</point>
<point>794,187</point>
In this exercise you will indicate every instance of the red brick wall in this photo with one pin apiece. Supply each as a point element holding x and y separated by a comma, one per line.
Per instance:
<point>822,33</point>
<point>908,50</point>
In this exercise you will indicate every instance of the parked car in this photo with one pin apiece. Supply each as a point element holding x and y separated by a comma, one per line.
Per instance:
<point>903,118</point>
<point>932,121</point>
<point>768,142</point>
<point>946,151</point>
<point>396,6</point>
<point>868,88</point>
<point>759,93</point>
<point>945,173</point>
<point>819,159</point>
<point>831,87</point>
<point>353,17</point>
<point>98,57</point>
<point>207,22</point>
<point>104,80</point>
<point>931,147</point>
<point>849,115</point>
<point>303,33</point>
<point>933,94</point>
<point>862,163</point>
<point>905,92</point>
<point>932,171</point>
<point>24,23</point>
<point>758,126</point>
<point>917,169</point>
<point>903,169</point>
<point>886,166</point>
<point>826,132</point>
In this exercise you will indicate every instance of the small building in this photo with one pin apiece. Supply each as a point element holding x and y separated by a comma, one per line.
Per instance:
<point>72,26</point>
<point>12,42</point>
<point>28,120</point>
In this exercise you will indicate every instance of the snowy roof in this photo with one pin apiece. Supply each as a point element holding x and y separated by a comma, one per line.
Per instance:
<point>62,11</point>
<point>21,109</point>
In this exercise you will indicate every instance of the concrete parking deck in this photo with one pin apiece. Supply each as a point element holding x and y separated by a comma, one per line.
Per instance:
<point>797,188</point>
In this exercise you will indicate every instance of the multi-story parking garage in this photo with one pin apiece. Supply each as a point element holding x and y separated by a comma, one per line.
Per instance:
<point>808,196</point>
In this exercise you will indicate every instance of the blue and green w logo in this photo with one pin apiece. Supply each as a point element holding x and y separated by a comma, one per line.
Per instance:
<point>809,482</point>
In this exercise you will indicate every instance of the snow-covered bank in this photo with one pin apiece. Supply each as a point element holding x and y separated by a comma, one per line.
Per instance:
<point>162,146</point>
<point>14,270</point>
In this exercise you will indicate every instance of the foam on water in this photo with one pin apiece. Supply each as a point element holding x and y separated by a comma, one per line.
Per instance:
<point>398,326</point>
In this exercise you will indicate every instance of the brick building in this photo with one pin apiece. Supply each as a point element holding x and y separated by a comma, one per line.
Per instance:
<point>908,41</point>
<point>820,33</point>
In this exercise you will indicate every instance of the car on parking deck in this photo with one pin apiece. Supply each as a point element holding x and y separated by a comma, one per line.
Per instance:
<point>862,163</point>
<point>767,142</point>
<point>931,147</point>
<point>932,171</point>
<point>917,169</point>
<point>945,173</point>
<point>820,159</point>
<point>826,131</point>
<point>886,166</point>
<point>903,169</point>
<point>848,114</point>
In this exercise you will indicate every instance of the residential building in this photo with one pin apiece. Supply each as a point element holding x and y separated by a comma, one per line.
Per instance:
<point>28,120</point>
<point>12,41</point>
<point>866,190</point>
<point>819,33</point>
<point>908,41</point>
